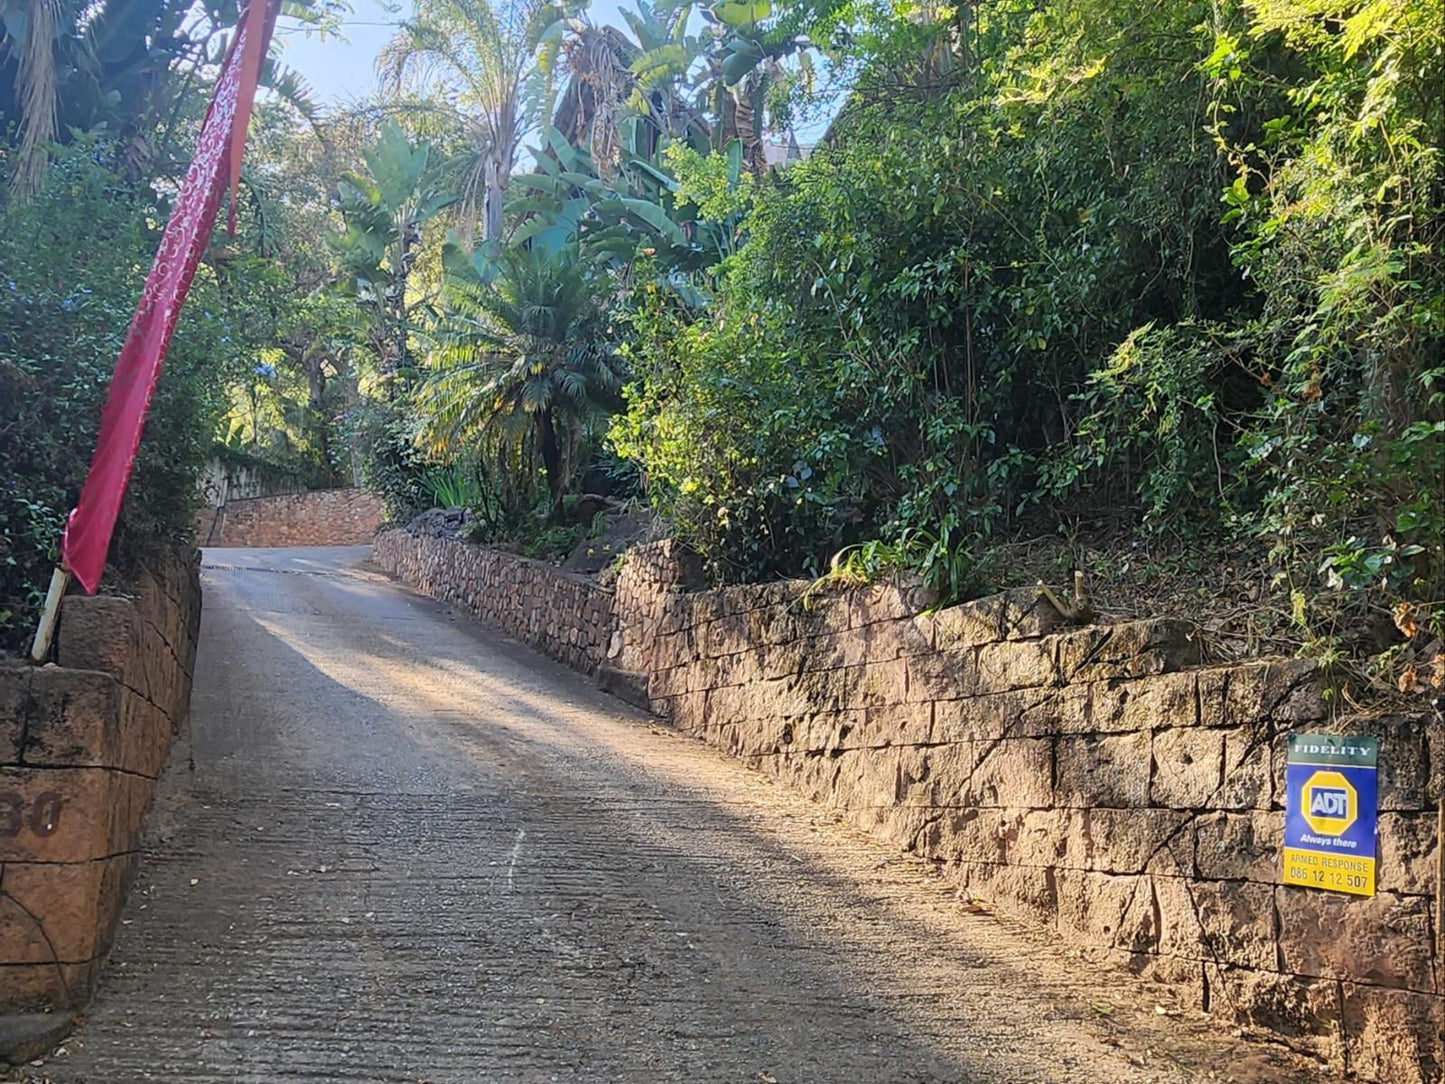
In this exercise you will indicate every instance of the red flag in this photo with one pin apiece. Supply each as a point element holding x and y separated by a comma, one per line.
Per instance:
<point>218,158</point>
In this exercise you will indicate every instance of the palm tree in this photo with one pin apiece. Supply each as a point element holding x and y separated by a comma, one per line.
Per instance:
<point>521,354</point>
<point>131,67</point>
<point>481,61</point>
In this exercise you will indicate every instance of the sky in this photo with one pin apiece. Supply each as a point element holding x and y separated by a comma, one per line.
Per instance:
<point>341,70</point>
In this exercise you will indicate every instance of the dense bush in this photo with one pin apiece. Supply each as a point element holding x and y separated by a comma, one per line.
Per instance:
<point>1175,267</point>
<point>382,439</point>
<point>897,343</point>
<point>72,261</point>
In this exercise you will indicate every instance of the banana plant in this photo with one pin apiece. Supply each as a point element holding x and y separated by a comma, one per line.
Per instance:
<point>384,212</point>
<point>636,212</point>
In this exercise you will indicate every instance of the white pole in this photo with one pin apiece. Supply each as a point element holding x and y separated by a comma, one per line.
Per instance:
<point>45,631</point>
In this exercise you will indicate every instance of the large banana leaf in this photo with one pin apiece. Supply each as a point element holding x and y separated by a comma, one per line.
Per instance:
<point>742,12</point>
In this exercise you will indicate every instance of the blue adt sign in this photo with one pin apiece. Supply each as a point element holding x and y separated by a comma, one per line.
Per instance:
<point>1329,820</point>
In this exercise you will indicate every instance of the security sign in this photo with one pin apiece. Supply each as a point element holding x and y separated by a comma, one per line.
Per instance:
<point>1329,823</point>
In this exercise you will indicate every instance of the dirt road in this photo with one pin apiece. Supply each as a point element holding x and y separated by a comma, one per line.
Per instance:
<point>397,847</point>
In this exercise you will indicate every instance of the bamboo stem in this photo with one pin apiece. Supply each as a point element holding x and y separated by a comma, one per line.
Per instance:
<point>45,631</point>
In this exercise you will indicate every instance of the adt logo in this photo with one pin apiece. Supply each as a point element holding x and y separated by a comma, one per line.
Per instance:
<point>1329,803</point>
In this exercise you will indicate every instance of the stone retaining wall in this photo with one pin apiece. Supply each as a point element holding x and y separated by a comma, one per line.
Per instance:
<point>568,617</point>
<point>1099,781</point>
<point>82,744</point>
<point>323,517</point>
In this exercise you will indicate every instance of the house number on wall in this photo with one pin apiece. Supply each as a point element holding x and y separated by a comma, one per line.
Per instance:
<point>42,817</point>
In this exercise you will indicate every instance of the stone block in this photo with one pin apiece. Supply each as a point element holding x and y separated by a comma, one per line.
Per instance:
<point>759,734</point>
<point>1407,851</point>
<point>46,987</point>
<point>14,706</point>
<point>30,1036</point>
<point>1016,837</point>
<point>895,724</point>
<point>949,770</point>
<point>1025,615</point>
<point>1239,846</point>
<point>69,814</point>
<point>73,718</point>
<point>1015,664</point>
<point>1249,776</point>
<point>58,912</point>
<point>1048,712</point>
<point>1106,910</point>
<point>1236,922</point>
<point>1188,767</point>
<point>743,668</point>
<point>968,625</point>
<point>942,676</point>
<point>824,690</point>
<point>1132,649</point>
<point>1284,691</point>
<point>1104,709</point>
<point>832,650</point>
<point>1165,701</point>
<point>1127,841</point>
<point>1382,940</point>
<point>1015,773</point>
<point>999,837</point>
<point>1305,1012</point>
<point>869,778</point>
<point>1394,1035</point>
<point>1026,891</point>
<point>897,639</point>
<point>823,731</point>
<point>1404,762</point>
<point>687,711</point>
<point>1021,713</point>
<point>1111,770</point>
<point>884,602</point>
<point>811,774</point>
<point>1181,935</point>
<point>882,684</point>
<point>786,660</point>
<point>101,633</point>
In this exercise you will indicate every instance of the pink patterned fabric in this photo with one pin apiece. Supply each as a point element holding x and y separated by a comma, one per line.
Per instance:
<point>89,527</point>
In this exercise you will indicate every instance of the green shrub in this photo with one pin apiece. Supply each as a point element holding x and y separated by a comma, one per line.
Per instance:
<point>72,261</point>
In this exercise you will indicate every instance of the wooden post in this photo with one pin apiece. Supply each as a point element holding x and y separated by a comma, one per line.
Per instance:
<point>1440,872</point>
<point>45,631</point>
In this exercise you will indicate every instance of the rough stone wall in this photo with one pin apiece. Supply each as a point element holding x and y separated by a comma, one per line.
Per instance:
<point>568,617</point>
<point>323,517</point>
<point>650,575</point>
<point>1099,781</point>
<point>82,744</point>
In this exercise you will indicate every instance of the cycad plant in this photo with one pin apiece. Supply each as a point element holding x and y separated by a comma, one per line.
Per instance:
<point>521,362</point>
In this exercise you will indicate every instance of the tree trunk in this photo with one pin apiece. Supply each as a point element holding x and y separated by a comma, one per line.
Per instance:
<point>551,453</point>
<point>496,189</point>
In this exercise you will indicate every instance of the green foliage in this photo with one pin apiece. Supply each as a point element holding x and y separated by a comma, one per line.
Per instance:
<point>1337,198</point>
<point>384,211</point>
<point>1171,265</point>
<point>520,355</point>
<point>383,442</point>
<point>71,264</point>
<point>453,487</point>
<point>914,307</point>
